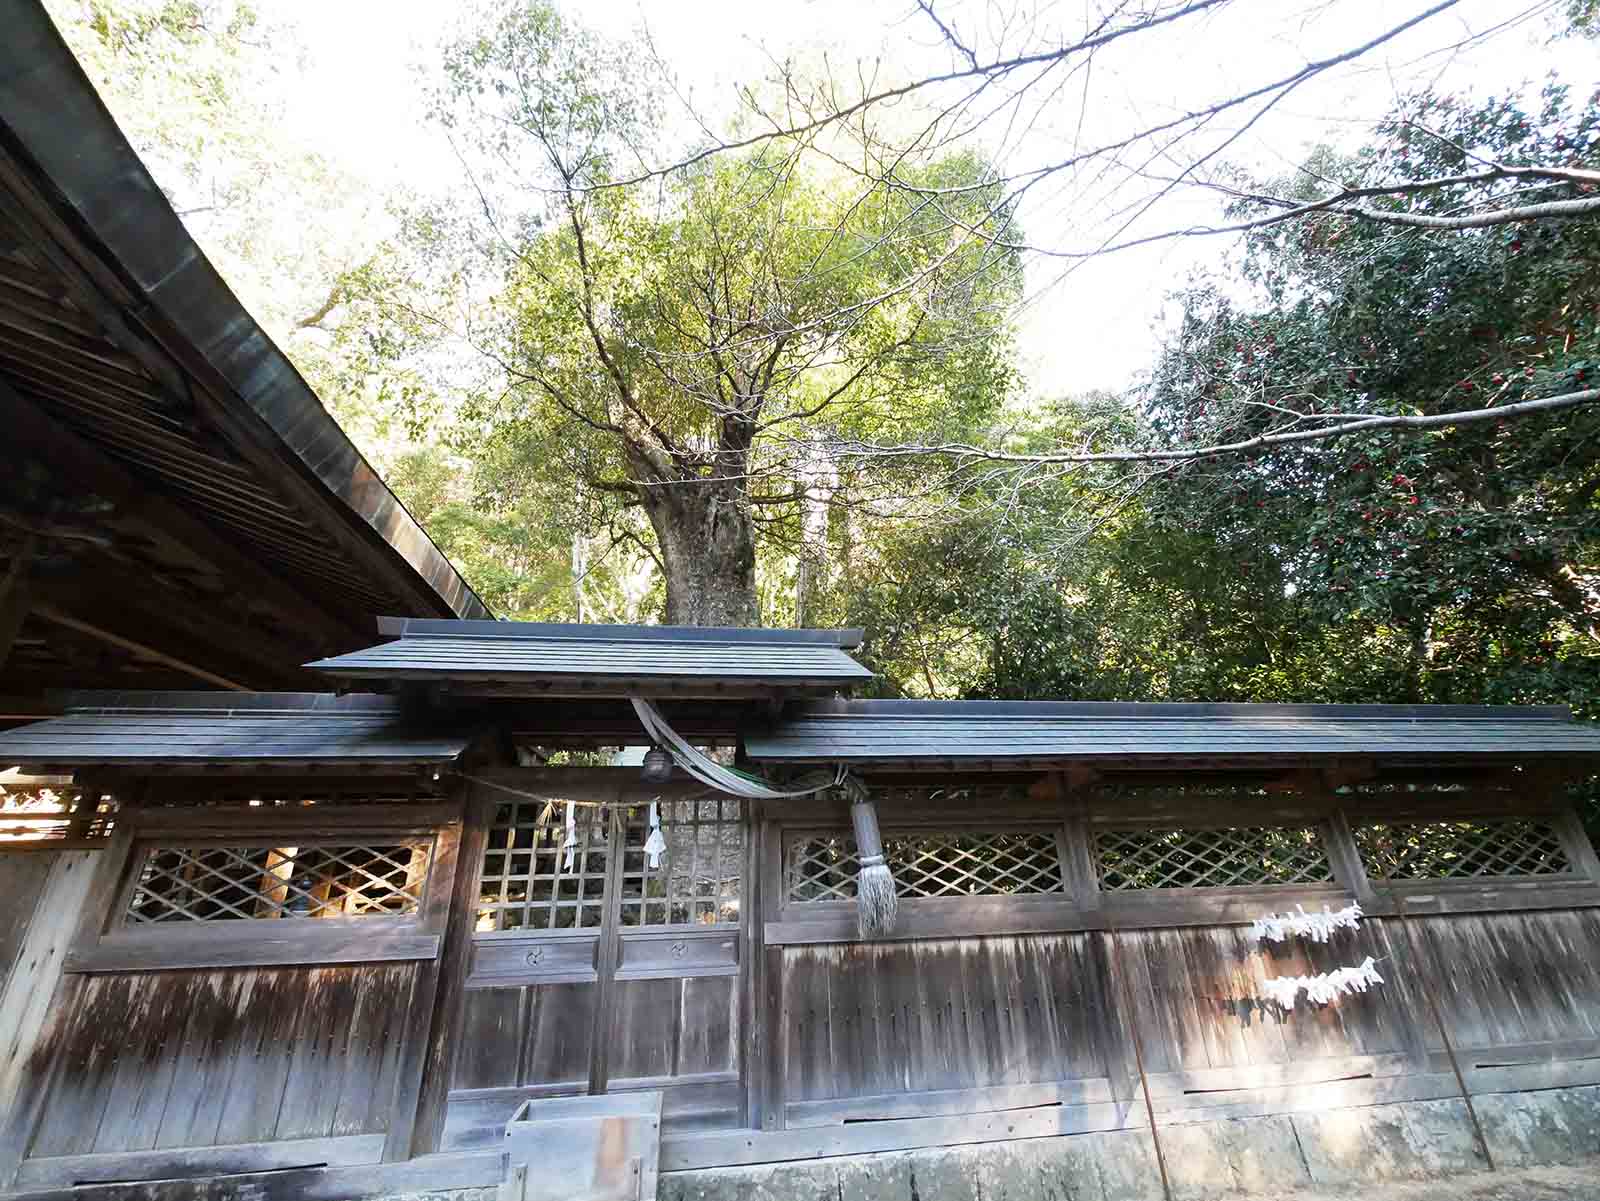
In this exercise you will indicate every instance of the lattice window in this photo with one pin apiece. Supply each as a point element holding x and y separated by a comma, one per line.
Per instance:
<point>822,867</point>
<point>1219,858</point>
<point>531,881</point>
<point>249,882</point>
<point>699,878</point>
<point>1460,850</point>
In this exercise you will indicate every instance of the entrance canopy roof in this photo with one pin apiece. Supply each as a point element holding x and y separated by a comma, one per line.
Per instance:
<point>506,658</point>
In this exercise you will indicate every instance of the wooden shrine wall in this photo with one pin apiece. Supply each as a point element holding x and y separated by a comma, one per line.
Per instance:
<point>1053,1009</point>
<point>186,1059</point>
<point>897,1018</point>
<point>1053,965</point>
<point>182,1035</point>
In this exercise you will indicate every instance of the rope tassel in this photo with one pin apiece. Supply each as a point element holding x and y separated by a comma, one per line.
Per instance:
<point>875,893</point>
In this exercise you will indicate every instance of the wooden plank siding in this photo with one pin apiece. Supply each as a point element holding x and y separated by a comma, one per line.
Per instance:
<point>209,1058</point>
<point>870,1019</point>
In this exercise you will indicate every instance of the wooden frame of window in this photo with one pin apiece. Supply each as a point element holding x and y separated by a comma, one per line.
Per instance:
<point>1086,906</point>
<point>110,945</point>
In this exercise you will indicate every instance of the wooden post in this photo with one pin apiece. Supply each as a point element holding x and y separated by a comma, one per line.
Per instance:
<point>273,890</point>
<point>1575,840</point>
<point>455,962</point>
<point>419,1017</point>
<point>608,952</point>
<point>1345,857</point>
<point>774,1022</point>
<point>752,1065</point>
<point>17,1128</point>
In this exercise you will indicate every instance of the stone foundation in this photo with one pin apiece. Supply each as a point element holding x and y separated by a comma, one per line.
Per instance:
<point>1234,1157</point>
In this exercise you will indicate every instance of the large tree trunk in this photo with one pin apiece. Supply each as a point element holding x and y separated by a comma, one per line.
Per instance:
<point>708,552</point>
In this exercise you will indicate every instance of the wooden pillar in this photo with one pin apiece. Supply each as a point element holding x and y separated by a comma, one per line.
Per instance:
<point>418,1024</point>
<point>455,962</point>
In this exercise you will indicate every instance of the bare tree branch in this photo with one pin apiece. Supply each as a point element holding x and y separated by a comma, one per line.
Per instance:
<point>970,452</point>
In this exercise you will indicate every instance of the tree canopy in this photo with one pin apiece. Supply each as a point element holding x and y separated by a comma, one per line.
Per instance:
<point>781,382</point>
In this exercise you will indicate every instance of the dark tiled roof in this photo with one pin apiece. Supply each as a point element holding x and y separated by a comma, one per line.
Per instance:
<point>978,731</point>
<point>267,728</point>
<point>593,657</point>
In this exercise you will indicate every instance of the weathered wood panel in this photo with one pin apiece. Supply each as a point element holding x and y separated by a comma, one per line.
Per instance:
<point>1197,996</point>
<point>1509,979</point>
<point>675,1027</point>
<point>946,1014</point>
<point>37,923</point>
<point>540,1035</point>
<point>209,1058</point>
<point>537,1034</point>
<point>22,879</point>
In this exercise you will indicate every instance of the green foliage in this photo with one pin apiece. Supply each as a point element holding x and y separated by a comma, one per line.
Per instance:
<point>1464,552</point>
<point>1456,565</point>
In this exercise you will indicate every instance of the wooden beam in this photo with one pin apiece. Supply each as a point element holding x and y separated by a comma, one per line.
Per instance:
<point>621,784</point>
<point>26,708</point>
<point>455,962</point>
<point>152,613</point>
<point>416,1024</point>
<point>150,653</point>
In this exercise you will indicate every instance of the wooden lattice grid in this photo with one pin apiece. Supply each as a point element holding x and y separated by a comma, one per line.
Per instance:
<point>1226,857</point>
<point>1461,850</point>
<point>822,867</point>
<point>698,881</point>
<point>527,882</point>
<point>261,881</point>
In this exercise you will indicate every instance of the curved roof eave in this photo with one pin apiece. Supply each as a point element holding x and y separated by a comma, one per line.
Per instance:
<point>55,116</point>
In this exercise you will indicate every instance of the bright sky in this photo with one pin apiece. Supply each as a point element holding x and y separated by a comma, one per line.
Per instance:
<point>1095,326</point>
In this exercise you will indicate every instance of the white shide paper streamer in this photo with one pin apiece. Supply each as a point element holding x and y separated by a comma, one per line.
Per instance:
<point>1322,989</point>
<point>1318,927</point>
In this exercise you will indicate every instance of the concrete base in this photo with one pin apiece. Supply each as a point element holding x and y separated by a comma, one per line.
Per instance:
<point>1225,1158</point>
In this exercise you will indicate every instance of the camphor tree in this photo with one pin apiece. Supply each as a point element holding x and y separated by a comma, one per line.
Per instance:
<point>678,350</point>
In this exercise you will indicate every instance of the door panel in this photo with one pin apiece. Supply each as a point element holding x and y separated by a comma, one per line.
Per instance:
<point>581,933</point>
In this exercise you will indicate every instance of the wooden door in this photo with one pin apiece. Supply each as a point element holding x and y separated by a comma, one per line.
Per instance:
<point>595,970</point>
